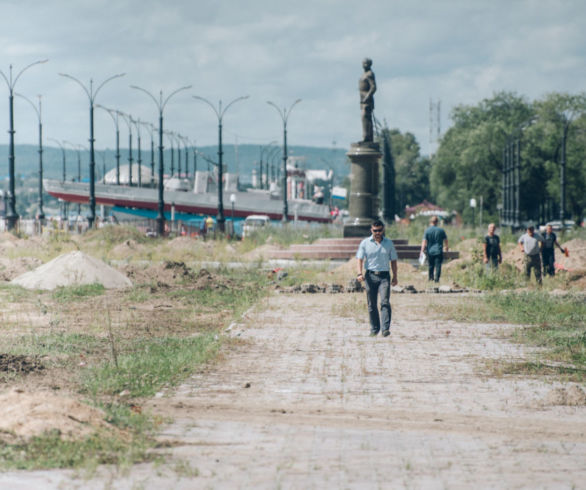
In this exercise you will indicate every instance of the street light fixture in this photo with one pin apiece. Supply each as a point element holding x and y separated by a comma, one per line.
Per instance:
<point>151,129</point>
<point>284,113</point>
<point>161,103</point>
<point>129,121</point>
<point>77,149</point>
<point>11,215</point>
<point>40,212</point>
<point>114,116</point>
<point>139,159</point>
<point>92,97</point>
<point>220,115</point>
<point>64,176</point>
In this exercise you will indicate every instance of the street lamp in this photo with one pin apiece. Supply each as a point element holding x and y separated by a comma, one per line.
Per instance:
<point>40,212</point>
<point>11,216</point>
<point>76,148</point>
<point>171,141</point>
<point>114,116</point>
<point>139,160</point>
<point>92,97</point>
<point>161,106</point>
<point>264,150</point>
<point>220,114</point>
<point>284,113</point>
<point>151,129</point>
<point>63,158</point>
<point>129,121</point>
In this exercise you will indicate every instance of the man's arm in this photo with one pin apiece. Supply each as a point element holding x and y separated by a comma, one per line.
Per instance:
<point>359,272</point>
<point>394,279</point>
<point>423,245</point>
<point>447,246</point>
<point>485,256</point>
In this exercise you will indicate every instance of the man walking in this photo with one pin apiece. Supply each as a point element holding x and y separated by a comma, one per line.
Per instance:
<point>550,240</point>
<point>433,246</point>
<point>375,253</point>
<point>492,249</point>
<point>530,244</point>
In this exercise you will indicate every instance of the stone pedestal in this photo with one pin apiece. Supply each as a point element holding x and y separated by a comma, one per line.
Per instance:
<point>364,176</point>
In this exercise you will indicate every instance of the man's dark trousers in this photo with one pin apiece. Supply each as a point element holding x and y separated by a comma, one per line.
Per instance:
<point>548,259</point>
<point>378,285</point>
<point>435,263</point>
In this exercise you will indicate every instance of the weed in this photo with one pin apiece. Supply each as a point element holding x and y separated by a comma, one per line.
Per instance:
<point>152,364</point>
<point>72,293</point>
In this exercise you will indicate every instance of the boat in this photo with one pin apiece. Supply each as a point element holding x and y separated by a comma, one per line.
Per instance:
<point>188,197</point>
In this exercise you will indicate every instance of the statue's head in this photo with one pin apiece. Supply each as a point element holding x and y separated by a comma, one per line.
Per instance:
<point>367,63</point>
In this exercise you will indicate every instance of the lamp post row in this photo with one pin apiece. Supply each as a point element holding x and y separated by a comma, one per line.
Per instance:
<point>12,216</point>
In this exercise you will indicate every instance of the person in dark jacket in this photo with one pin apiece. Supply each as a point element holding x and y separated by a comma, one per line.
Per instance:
<point>550,240</point>
<point>433,246</point>
<point>492,249</point>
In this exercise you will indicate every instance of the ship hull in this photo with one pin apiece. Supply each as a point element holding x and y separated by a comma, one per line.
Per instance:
<point>245,203</point>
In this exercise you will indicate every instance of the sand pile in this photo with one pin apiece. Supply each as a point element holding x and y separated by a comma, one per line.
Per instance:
<point>74,268</point>
<point>263,252</point>
<point>577,259</point>
<point>468,247</point>
<point>25,415</point>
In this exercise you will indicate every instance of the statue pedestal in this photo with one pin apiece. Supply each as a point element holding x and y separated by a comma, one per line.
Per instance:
<point>364,180</point>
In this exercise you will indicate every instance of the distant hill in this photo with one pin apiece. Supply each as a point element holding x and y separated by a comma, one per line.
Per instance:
<point>241,158</point>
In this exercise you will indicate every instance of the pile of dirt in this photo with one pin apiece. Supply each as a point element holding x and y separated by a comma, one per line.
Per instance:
<point>572,396</point>
<point>468,247</point>
<point>263,252</point>
<point>127,249</point>
<point>167,274</point>
<point>19,364</point>
<point>577,255</point>
<point>26,415</point>
<point>71,269</point>
<point>206,280</point>
<point>11,268</point>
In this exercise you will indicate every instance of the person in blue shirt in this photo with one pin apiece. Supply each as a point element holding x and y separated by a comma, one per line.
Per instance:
<point>375,253</point>
<point>433,246</point>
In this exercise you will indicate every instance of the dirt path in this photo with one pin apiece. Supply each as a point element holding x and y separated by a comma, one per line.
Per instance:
<point>308,400</point>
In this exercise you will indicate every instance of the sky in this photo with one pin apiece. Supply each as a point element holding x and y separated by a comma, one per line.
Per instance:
<point>452,52</point>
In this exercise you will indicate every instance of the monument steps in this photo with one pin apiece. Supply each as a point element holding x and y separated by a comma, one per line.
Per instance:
<point>344,249</point>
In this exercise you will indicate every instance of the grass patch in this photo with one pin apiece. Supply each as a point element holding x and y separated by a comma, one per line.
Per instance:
<point>153,364</point>
<point>50,451</point>
<point>538,368</point>
<point>73,293</point>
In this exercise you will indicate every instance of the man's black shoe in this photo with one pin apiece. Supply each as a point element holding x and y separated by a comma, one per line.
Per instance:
<point>386,333</point>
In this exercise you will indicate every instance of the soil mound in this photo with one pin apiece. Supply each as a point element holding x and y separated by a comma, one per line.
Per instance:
<point>11,268</point>
<point>468,247</point>
<point>26,415</point>
<point>165,275</point>
<point>571,396</point>
<point>206,280</point>
<point>262,253</point>
<point>19,364</point>
<point>74,268</point>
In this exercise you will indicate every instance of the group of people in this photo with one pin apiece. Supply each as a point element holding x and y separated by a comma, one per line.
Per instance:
<point>377,262</point>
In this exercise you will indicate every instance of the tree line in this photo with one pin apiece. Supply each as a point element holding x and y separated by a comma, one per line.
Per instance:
<point>469,160</point>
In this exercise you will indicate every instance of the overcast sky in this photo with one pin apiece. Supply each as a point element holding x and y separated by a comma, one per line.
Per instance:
<point>456,52</point>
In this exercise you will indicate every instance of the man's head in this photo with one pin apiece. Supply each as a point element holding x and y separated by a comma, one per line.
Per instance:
<point>377,228</point>
<point>367,63</point>
<point>530,230</point>
<point>549,229</point>
<point>434,220</point>
<point>491,228</point>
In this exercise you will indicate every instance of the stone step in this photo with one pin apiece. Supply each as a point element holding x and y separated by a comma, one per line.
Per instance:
<point>411,254</point>
<point>355,241</point>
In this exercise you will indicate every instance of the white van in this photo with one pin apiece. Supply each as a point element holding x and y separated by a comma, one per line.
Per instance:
<point>254,222</point>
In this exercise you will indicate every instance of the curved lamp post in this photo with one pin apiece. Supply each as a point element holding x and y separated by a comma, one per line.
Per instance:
<point>92,97</point>
<point>129,121</point>
<point>40,212</point>
<point>11,215</point>
<point>136,123</point>
<point>220,115</point>
<point>151,129</point>
<point>114,116</point>
<point>77,148</point>
<point>284,113</point>
<point>169,135</point>
<point>64,173</point>
<point>161,103</point>
<point>264,151</point>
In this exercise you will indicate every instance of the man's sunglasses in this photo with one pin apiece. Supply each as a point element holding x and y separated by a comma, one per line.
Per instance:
<point>377,230</point>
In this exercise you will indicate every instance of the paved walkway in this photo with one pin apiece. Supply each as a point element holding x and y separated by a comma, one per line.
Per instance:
<point>306,399</point>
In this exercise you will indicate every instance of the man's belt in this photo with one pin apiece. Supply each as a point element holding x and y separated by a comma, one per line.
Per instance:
<point>378,273</point>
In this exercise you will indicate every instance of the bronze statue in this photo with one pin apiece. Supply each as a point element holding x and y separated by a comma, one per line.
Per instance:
<point>367,88</point>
